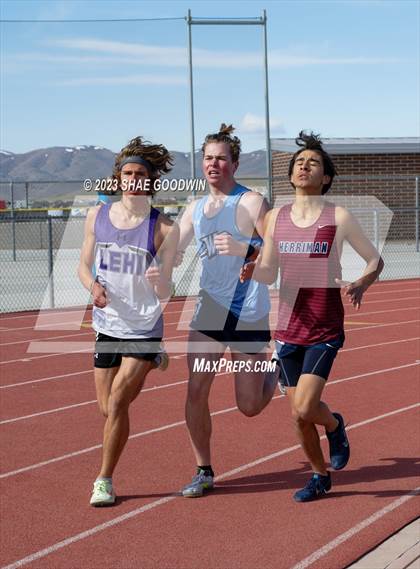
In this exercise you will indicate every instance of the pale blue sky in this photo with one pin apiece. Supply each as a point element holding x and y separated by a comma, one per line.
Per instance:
<point>341,68</point>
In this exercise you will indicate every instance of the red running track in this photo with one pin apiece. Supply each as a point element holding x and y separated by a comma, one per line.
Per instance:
<point>51,435</point>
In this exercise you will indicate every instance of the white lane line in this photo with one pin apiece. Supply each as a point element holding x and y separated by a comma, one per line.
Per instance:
<point>45,356</point>
<point>91,371</point>
<point>39,343</point>
<point>36,314</point>
<point>381,325</point>
<point>48,326</point>
<point>183,355</point>
<point>157,387</point>
<point>323,437</point>
<point>381,284</point>
<point>76,323</point>
<point>364,302</point>
<point>322,551</point>
<point>58,409</point>
<point>166,385</point>
<point>54,345</point>
<point>79,373</point>
<point>27,382</point>
<point>165,427</point>
<point>88,533</point>
<point>74,347</point>
<point>83,310</point>
<point>151,505</point>
<point>381,344</point>
<point>391,300</point>
<point>35,326</point>
<point>414,288</point>
<point>90,333</point>
<point>51,325</point>
<point>78,333</point>
<point>368,374</point>
<point>397,282</point>
<point>274,301</point>
<point>96,447</point>
<point>361,313</point>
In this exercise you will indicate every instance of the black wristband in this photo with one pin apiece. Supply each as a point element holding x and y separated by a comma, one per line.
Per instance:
<point>250,252</point>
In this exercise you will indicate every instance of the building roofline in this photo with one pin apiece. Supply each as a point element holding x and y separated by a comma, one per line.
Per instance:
<point>385,145</point>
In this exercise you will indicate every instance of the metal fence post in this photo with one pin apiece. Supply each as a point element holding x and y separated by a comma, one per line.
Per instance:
<point>376,228</point>
<point>417,214</point>
<point>27,195</point>
<point>50,263</point>
<point>190,70</point>
<point>12,215</point>
<point>267,113</point>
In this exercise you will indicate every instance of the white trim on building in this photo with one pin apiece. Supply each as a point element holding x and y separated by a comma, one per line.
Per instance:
<point>403,145</point>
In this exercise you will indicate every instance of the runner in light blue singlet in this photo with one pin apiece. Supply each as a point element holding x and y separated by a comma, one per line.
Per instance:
<point>227,225</point>
<point>249,301</point>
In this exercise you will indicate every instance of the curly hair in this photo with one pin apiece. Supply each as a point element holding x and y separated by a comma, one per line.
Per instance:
<point>224,135</point>
<point>157,155</point>
<point>313,141</point>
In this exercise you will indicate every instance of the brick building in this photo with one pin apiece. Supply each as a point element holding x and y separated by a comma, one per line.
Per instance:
<point>386,168</point>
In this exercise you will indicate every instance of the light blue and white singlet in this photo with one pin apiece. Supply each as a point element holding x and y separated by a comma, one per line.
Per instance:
<point>249,301</point>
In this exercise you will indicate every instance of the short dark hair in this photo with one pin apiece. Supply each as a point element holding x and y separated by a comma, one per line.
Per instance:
<point>224,135</point>
<point>313,141</point>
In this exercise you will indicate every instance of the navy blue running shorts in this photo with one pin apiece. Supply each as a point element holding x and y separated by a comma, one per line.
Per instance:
<point>316,359</point>
<point>109,351</point>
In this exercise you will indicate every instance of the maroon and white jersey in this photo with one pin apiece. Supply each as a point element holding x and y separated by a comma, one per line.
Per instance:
<point>310,306</point>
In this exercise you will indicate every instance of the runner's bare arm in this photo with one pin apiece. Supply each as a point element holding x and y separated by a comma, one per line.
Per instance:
<point>265,269</point>
<point>258,208</point>
<point>87,258</point>
<point>350,230</point>
<point>167,241</point>
<point>250,216</point>
<point>186,232</point>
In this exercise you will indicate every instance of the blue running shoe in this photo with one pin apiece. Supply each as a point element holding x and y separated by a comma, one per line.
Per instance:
<point>317,486</point>
<point>339,445</point>
<point>199,485</point>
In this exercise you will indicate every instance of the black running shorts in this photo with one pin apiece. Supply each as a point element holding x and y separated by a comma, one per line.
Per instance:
<point>222,325</point>
<point>109,351</point>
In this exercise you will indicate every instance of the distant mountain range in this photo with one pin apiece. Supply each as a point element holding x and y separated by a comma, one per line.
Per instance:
<point>55,174</point>
<point>64,164</point>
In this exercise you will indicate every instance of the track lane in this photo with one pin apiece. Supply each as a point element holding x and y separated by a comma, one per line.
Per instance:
<point>40,397</point>
<point>251,497</point>
<point>228,435</point>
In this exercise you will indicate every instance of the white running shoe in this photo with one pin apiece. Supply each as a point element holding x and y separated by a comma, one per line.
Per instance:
<point>103,493</point>
<point>282,387</point>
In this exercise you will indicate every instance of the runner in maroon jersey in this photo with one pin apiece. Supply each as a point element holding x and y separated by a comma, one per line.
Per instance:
<point>304,240</point>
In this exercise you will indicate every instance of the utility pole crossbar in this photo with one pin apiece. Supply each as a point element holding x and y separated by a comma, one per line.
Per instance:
<point>227,22</point>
